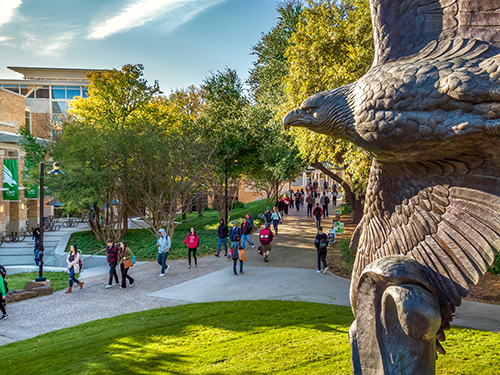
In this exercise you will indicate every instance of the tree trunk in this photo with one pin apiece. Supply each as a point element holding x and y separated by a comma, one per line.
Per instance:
<point>355,203</point>
<point>125,223</point>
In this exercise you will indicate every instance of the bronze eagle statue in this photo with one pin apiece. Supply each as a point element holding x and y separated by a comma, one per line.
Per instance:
<point>428,112</point>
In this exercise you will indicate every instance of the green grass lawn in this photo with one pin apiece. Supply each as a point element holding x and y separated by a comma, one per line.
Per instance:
<point>58,280</point>
<point>243,337</point>
<point>143,243</point>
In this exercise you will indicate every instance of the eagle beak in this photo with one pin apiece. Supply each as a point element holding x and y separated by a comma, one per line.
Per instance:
<point>292,118</point>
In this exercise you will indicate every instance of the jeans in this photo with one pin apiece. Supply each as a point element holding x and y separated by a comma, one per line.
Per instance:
<point>291,203</point>
<point>72,278</point>
<point>235,261</point>
<point>318,222</point>
<point>297,204</point>
<point>321,258</point>
<point>325,210</point>
<point>275,225</point>
<point>162,260</point>
<point>247,238</point>
<point>194,255</point>
<point>309,209</point>
<point>112,272</point>
<point>219,243</point>
<point>125,276</point>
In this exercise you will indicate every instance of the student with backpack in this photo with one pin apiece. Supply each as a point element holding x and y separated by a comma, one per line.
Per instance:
<point>3,292</point>
<point>235,255</point>
<point>325,201</point>
<point>321,243</point>
<point>74,265</point>
<point>317,213</point>
<point>266,237</point>
<point>276,219</point>
<point>246,229</point>
<point>310,203</point>
<point>298,197</point>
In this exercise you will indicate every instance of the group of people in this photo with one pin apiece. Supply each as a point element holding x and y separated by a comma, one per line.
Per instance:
<point>239,236</point>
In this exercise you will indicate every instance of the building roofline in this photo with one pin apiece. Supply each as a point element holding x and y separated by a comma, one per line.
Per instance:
<point>20,69</point>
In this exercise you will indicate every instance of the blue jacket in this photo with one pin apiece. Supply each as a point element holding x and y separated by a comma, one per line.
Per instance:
<point>233,232</point>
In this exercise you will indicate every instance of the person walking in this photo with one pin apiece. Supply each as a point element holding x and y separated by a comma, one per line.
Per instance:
<point>281,207</point>
<point>192,241</point>
<point>287,203</point>
<point>163,244</point>
<point>298,197</point>
<point>74,260</point>
<point>222,233</point>
<point>235,247</point>
<point>325,185</point>
<point>325,201</point>
<point>310,203</point>
<point>321,243</point>
<point>112,258</point>
<point>235,231</point>
<point>36,236</point>
<point>246,229</point>
<point>292,198</point>
<point>276,219</point>
<point>3,293</point>
<point>268,216</point>
<point>250,220</point>
<point>318,213</point>
<point>125,258</point>
<point>266,237</point>
<point>302,196</point>
<point>334,199</point>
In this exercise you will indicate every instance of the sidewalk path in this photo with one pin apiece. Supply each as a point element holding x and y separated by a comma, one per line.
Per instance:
<point>289,275</point>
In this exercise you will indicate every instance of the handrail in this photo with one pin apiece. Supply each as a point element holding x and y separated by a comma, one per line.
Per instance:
<point>59,257</point>
<point>53,260</point>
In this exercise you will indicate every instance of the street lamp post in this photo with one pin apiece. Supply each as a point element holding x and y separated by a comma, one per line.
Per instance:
<point>40,245</point>
<point>234,163</point>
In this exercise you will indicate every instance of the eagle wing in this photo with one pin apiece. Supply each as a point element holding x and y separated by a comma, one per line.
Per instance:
<point>403,28</point>
<point>444,214</point>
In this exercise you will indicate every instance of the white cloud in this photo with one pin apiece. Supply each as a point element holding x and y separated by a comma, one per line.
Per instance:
<point>4,38</point>
<point>7,10</point>
<point>143,11</point>
<point>45,45</point>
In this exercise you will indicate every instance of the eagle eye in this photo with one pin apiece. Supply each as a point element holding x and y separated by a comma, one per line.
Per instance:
<point>309,111</point>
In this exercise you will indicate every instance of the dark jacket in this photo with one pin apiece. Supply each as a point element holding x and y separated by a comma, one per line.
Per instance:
<point>233,232</point>
<point>281,205</point>
<point>268,216</point>
<point>246,228</point>
<point>235,246</point>
<point>222,231</point>
<point>112,254</point>
<point>318,212</point>
<point>36,233</point>
<point>318,238</point>
<point>297,196</point>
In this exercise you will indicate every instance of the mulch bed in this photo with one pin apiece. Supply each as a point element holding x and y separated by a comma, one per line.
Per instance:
<point>486,291</point>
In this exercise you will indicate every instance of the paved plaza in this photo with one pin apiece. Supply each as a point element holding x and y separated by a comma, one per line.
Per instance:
<point>289,275</point>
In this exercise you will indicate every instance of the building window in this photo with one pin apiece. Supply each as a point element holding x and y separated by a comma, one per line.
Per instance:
<point>27,116</point>
<point>58,92</point>
<point>73,92</point>
<point>42,92</point>
<point>13,88</point>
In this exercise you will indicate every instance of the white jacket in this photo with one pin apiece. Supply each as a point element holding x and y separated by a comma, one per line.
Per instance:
<point>75,264</point>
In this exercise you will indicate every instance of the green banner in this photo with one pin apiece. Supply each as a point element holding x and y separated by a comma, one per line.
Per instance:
<point>30,191</point>
<point>10,180</point>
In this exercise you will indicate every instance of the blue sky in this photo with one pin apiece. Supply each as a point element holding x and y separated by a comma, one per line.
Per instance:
<point>178,41</point>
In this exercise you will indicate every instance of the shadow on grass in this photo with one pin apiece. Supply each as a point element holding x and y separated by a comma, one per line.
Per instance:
<point>241,337</point>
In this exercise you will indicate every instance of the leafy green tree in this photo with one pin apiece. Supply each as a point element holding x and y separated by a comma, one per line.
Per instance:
<point>94,150</point>
<point>332,47</point>
<point>277,158</point>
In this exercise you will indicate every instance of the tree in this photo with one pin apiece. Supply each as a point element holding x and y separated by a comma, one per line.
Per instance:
<point>93,150</point>
<point>332,47</point>
<point>278,158</point>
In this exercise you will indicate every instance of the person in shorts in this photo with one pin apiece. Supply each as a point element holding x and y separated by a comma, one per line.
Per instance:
<point>266,237</point>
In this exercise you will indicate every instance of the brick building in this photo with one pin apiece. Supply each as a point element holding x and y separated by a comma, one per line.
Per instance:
<point>40,99</point>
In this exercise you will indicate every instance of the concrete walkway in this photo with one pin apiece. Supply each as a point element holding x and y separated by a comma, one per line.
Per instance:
<point>289,275</point>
